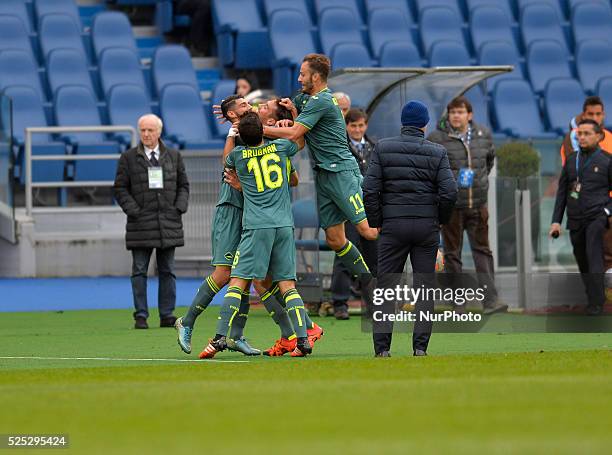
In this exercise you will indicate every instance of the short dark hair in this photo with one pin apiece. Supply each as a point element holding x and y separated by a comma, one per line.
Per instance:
<point>228,104</point>
<point>250,129</point>
<point>282,113</point>
<point>592,101</point>
<point>319,63</point>
<point>596,126</point>
<point>460,101</point>
<point>354,115</point>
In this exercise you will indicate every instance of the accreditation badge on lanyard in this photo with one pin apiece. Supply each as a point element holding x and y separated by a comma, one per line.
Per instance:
<point>577,185</point>
<point>156,178</point>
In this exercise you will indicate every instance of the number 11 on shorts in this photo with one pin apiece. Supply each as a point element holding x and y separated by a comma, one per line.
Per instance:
<point>357,203</point>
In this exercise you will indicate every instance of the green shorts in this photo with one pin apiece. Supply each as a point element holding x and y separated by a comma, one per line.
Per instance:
<point>265,252</point>
<point>339,197</point>
<point>226,230</point>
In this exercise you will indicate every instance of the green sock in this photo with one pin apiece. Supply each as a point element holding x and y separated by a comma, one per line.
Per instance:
<point>277,311</point>
<point>206,292</point>
<point>237,325</point>
<point>352,259</point>
<point>229,310</point>
<point>279,298</point>
<point>295,309</point>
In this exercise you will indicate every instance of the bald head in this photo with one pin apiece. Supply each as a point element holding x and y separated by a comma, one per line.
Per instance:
<point>150,127</point>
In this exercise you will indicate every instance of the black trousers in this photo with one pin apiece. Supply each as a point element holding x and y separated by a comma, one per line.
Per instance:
<point>418,238</point>
<point>166,296</point>
<point>341,277</point>
<point>588,241</point>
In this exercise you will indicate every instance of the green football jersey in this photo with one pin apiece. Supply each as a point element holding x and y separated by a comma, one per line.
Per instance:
<point>326,136</point>
<point>264,175</point>
<point>228,195</point>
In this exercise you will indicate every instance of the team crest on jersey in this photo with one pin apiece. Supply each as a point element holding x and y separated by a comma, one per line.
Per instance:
<point>229,256</point>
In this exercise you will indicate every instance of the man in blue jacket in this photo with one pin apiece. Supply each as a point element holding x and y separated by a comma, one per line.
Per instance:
<point>409,190</point>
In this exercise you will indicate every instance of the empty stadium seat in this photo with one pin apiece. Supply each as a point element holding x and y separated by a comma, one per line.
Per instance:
<point>453,5</point>
<point>14,35</point>
<point>593,62</point>
<point>18,9</point>
<point>291,39</point>
<point>401,5</point>
<point>223,89</point>
<point>503,4</point>
<point>76,106</point>
<point>111,29</point>
<point>172,65</point>
<point>546,59</point>
<point>592,21</point>
<point>496,53</point>
<point>448,53</point>
<point>516,111</point>
<point>563,99</point>
<point>68,7</point>
<point>126,104</point>
<point>386,25</point>
<point>59,31</point>
<point>271,6</point>
<point>338,25</point>
<point>554,4</point>
<point>395,54</point>
<point>479,105</point>
<point>322,5</point>
<point>67,67</point>
<point>432,31</point>
<point>540,21</point>
<point>120,66</point>
<point>19,68</point>
<point>350,55</point>
<point>490,23</point>
<point>242,39</point>
<point>604,91</point>
<point>184,121</point>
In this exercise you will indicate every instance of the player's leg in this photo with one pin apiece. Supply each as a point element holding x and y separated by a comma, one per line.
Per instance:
<point>236,341</point>
<point>267,286</point>
<point>269,294</point>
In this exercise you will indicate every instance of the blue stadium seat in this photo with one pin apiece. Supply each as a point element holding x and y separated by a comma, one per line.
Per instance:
<point>432,31</point>
<point>59,31</point>
<point>604,91</point>
<point>271,6</point>
<point>322,5</point>
<point>453,5</point>
<point>13,34</point>
<point>503,4</point>
<point>498,53</point>
<point>448,53</point>
<point>28,112</point>
<point>386,25</point>
<point>516,110</point>
<point>184,121</point>
<point>67,67</point>
<point>554,4</point>
<point>305,216</point>
<point>76,106</point>
<point>563,99</point>
<point>223,89</point>
<point>592,21</point>
<point>291,39</point>
<point>546,59</point>
<point>540,21</point>
<point>19,68</point>
<point>18,9</point>
<point>120,66</point>
<point>490,23</point>
<point>126,104</point>
<point>401,5</point>
<point>593,62</point>
<point>172,65</point>
<point>68,7</point>
<point>112,29</point>
<point>479,105</point>
<point>397,54</point>
<point>242,39</point>
<point>338,25</point>
<point>350,55</point>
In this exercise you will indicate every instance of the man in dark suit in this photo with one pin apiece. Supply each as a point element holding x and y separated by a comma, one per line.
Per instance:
<point>152,189</point>
<point>409,190</point>
<point>584,188</point>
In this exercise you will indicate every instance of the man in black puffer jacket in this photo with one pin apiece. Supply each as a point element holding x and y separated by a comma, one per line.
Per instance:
<point>409,190</point>
<point>152,189</point>
<point>471,155</point>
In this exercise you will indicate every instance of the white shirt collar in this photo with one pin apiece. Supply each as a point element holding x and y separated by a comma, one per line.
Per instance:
<point>355,143</point>
<point>148,151</point>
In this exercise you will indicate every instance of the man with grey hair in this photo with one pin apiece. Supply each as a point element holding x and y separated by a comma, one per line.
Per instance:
<point>152,189</point>
<point>344,102</point>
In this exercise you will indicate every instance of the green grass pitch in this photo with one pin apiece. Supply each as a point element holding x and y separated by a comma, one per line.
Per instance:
<point>475,393</point>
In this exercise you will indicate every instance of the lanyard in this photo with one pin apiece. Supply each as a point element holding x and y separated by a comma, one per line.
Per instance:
<point>585,164</point>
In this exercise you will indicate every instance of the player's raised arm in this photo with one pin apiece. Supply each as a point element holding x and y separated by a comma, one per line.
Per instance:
<point>293,133</point>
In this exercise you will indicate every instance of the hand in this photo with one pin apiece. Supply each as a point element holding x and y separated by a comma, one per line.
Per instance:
<point>286,102</point>
<point>284,123</point>
<point>218,113</point>
<point>233,131</point>
<point>231,178</point>
<point>555,230</point>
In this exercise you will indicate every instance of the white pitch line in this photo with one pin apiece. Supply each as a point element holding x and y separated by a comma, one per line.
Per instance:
<point>120,360</point>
